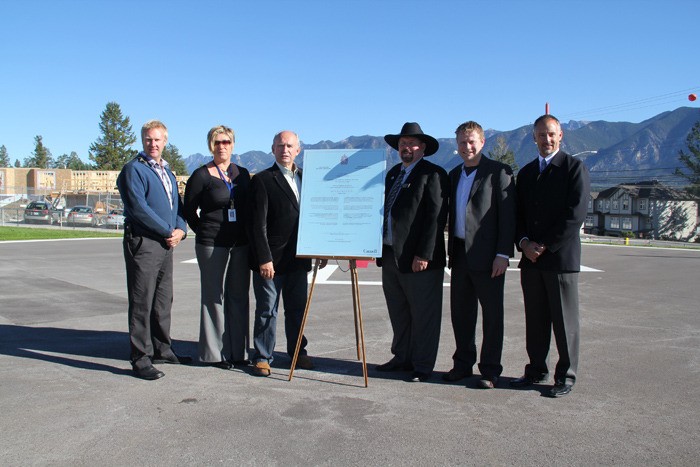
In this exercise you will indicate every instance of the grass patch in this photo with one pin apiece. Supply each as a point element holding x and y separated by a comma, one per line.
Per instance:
<point>24,233</point>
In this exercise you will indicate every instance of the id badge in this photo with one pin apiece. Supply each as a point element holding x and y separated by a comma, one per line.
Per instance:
<point>232,215</point>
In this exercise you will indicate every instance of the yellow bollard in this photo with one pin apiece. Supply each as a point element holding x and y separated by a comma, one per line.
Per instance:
<point>627,241</point>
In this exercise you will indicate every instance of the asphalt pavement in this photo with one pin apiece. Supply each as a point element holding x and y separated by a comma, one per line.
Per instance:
<point>67,396</point>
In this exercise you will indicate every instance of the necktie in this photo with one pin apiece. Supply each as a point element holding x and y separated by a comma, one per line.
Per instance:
<point>393,193</point>
<point>543,165</point>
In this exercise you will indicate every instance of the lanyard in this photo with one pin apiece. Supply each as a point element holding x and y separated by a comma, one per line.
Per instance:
<point>229,185</point>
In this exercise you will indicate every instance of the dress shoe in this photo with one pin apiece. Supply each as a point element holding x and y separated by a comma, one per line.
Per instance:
<point>525,381</point>
<point>560,390</point>
<point>455,375</point>
<point>244,362</point>
<point>149,373</point>
<point>224,365</point>
<point>394,365</point>
<point>419,377</point>
<point>487,382</point>
<point>304,362</point>
<point>261,369</point>
<point>173,359</point>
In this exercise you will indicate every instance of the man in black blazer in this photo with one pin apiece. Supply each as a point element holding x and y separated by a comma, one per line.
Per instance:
<point>552,193</point>
<point>277,272</point>
<point>481,232</point>
<point>413,256</point>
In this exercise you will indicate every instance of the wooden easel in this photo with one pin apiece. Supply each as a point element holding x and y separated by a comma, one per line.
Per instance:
<point>357,309</point>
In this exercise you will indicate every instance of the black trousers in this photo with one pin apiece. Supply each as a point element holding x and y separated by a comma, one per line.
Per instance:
<point>149,283</point>
<point>551,304</point>
<point>468,289</point>
<point>414,302</point>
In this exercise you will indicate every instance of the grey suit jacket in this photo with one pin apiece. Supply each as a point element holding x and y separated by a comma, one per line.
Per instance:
<point>490,215</point>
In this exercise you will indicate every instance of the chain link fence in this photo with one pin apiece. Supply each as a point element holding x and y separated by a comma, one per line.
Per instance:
<point>14,206</point>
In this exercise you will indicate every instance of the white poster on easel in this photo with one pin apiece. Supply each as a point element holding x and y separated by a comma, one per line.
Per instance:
<point>342,203</point>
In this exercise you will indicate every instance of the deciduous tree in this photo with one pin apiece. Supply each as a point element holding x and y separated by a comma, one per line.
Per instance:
<point>72,162</point>
<point>4,158</point>
<point>113,149</point>
<point>501,152</point>
<point>172,155</point>
<point>691,160</point>
<point>41,157</point>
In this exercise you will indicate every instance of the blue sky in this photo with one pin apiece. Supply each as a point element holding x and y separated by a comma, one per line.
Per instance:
<point>330,70</point>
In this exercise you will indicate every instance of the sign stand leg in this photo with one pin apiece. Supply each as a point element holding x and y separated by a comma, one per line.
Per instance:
<point>303,321</point>
<point>358,317</point>
<point>357,313</point>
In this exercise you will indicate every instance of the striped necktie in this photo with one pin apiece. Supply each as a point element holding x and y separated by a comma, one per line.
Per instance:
<point>393,194</point>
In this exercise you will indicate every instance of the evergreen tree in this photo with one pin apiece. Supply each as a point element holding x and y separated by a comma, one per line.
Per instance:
<point>4,158</point>
<point>691,160</point>
<point>72,162</point>
<point>502,153</point>
<point>17,164</point>
<point>113,149</point>
<point>172,155</point>
<point>41,157</point>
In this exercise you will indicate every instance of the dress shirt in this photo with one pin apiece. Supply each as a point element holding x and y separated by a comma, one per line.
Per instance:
<point>292,177</point>
<point>547,159</point>
<point>464,187</point>
<point>162,170</point>
<point>388,238</point>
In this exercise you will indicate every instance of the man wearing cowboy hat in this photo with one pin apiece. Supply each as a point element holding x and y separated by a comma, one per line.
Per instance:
<point>413,257</point>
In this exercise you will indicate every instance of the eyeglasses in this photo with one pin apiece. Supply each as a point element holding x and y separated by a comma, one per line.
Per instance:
<point>225,142</point>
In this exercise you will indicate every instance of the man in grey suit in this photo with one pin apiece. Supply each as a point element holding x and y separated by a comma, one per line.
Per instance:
<point>154,226</point>
<point>482,227</point>
<point>413,255</point>
<point>552,193</point>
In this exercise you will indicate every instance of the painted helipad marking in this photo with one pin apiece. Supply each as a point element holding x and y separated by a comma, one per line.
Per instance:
<point>323,275</point>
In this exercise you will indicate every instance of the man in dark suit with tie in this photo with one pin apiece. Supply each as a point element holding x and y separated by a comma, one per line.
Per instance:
<point>277,272</point>
<point>481,232</point>
<point>413,256</point>
<point>552,196</point>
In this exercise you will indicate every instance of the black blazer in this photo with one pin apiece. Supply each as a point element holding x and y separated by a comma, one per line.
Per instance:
<point>552,207</point>
<point>490,214</point>
<point>274,226</point>
<point>419,215</point>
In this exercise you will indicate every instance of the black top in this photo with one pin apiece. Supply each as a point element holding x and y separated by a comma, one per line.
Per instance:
<point>211,196</point>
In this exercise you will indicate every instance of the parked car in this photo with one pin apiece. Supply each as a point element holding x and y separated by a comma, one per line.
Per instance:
<point>40,211</point>
<point>115,219</point>
<point>82,215</point>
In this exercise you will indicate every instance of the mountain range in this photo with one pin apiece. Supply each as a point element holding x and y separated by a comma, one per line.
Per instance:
<point>614,152</point>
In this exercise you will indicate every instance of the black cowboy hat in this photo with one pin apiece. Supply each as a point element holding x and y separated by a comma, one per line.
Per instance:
<point>414,129</point>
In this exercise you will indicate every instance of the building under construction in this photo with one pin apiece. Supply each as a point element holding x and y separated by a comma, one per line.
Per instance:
<point>63,188</point>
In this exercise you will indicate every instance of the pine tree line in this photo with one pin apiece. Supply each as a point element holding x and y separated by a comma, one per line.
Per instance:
<point>110,151</point>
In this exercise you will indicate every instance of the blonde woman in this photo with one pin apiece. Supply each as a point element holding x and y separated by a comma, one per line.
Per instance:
<point>216,210</point>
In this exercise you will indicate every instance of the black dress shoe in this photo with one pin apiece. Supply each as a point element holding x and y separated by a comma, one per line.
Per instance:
<point>149,373</point>
<point>560,390</point>
<point>419,377</point>
<point>525,381</point>
<point>487,382</point>
<point>224,365</point>
<point>244,362</point>
<point>394,365</point>
<point>173,359</point>
<point>455,375</point>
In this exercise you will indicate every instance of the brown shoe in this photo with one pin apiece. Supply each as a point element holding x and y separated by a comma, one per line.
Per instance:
<point>304,362</point>
<point>261,369</point>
